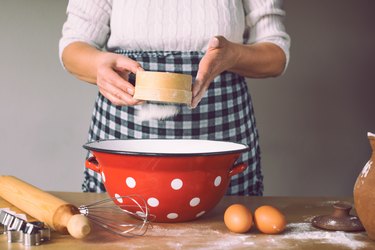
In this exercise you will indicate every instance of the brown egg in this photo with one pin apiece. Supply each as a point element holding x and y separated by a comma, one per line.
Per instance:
<point>238,218</point>
<point>269,220</point>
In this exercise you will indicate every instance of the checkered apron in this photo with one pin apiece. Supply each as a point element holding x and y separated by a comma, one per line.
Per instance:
<point>225,114</point>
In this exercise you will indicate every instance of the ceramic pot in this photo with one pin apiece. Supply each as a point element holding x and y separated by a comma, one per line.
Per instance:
<point>180,180</point>
<point>364,193</point>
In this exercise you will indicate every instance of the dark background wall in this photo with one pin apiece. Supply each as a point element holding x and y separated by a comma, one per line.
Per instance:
<point>313,120</point>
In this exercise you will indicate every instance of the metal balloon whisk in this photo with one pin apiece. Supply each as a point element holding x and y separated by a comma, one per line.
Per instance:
<point>129,217</point>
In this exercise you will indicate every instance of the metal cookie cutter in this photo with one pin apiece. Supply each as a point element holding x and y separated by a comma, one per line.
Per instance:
<point>20,231</point>
<point>5,217</point>
<point>11,220</point>
<point>35,233</point>
<point>12,225</point>
<point>33,239</point>
<point>15,236</point>
<point>2,222</point>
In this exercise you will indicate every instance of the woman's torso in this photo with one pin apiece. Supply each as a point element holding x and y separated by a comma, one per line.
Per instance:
<point>183,25</point>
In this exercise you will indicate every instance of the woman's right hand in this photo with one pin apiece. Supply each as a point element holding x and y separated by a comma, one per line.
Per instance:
<point>109,71</point>
<point>112,78</point>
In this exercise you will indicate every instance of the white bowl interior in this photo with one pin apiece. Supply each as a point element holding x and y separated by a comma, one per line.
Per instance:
<point>166,146</point>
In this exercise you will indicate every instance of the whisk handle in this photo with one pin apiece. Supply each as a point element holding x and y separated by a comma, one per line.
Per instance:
<point>78,226</point>
<point>56,213</point>
<point>67,219</point>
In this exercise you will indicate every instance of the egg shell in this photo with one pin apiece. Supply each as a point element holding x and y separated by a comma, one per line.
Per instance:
<point>238,218</point>
<point>269,220</point>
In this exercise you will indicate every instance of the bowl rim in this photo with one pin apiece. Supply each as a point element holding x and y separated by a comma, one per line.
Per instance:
<point>91,147</point>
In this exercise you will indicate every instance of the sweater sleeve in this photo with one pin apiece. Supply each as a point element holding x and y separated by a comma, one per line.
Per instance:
<point>264,21</point>
<point>87,21</point>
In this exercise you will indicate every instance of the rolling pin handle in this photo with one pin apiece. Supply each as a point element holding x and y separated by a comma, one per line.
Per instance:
<point>93,164</point>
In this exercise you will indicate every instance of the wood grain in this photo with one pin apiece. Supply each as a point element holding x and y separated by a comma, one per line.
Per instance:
<point>209,232</point>
<point>43,206</point>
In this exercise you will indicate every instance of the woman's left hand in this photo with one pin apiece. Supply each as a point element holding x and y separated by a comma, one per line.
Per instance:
<point>257,60</point>
<point>220,56</point>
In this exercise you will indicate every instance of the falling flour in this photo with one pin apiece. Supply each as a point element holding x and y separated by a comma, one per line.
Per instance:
<point>152,111</point>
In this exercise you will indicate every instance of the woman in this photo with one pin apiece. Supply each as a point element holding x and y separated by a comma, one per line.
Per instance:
<point>218,42</point>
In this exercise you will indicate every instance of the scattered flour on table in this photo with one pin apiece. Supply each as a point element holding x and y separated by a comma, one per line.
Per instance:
<point>328,203</point>
<point>204,237</point>
<point>308,218</point>
<point>305,232</point>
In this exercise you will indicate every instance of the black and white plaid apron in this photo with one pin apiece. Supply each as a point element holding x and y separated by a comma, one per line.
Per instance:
<point>225,113</point>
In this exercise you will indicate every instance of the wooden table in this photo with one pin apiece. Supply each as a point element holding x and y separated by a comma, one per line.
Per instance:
<point>209,232</point>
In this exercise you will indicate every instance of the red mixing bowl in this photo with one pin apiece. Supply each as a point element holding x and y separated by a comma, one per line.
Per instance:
<point>180,180</point>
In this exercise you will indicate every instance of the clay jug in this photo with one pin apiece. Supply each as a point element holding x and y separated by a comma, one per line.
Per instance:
<point>364,193</point>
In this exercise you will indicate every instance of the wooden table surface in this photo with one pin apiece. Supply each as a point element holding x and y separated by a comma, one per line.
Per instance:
<point>209,232</point>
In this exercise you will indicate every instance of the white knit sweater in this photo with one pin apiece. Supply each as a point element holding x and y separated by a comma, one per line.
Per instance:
<point>178,25</point>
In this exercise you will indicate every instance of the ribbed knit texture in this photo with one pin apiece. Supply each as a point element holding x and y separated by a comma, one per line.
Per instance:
<point>172,25</point>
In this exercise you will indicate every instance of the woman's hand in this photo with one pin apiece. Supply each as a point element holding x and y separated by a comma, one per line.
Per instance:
<point>112,78</point>
<point>109,71</point>
<point>221,55</point>
<point>258,60</point>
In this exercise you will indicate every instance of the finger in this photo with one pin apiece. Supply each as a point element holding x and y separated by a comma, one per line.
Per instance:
<point>113,93</point>
<point>196,100</point>
<point>197,86</point>
<point>202,81</point>
<point>124,63</point>
<point>201,84</point>
<point>113,78</point>
<point>200,88</point>
<point>121,102</point>
<point>214,43</point>
<point>125,100</point>
<point>203,74</point>
<point>126,97</point>
<point>217,42</point>
<point>124,74</point>
<point>111,82</point>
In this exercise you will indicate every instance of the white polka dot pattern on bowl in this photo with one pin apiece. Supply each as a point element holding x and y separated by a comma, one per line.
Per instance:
<point>119,198</point>
<point>172,216</point>
<point>176,184</point>
<point>195,202</point>
<point>103,176</point>
<point>217,181</point>
<point>153,202</point>
<point>200,214</point>
<point>130,182</point>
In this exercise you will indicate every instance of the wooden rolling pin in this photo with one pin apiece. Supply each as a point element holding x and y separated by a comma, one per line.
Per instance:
<point>56,213</point>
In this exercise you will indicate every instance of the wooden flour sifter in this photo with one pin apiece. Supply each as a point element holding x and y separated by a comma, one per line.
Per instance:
<point>165,94</point>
